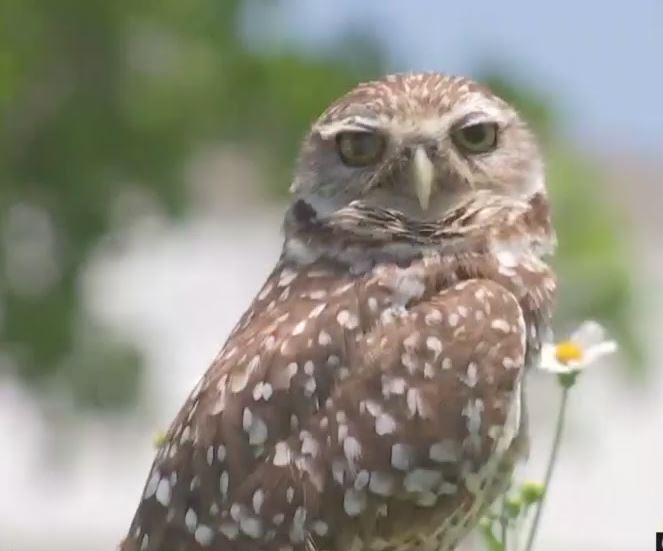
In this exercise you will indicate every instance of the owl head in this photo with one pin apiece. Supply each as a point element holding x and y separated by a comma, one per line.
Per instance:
<point>417,143</point>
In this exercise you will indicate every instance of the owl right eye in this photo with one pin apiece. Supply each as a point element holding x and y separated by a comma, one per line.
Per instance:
<point>358,148</point>
<point>476,138</point>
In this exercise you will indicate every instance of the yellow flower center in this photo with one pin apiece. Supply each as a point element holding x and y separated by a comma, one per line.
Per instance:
<point>568,351</point>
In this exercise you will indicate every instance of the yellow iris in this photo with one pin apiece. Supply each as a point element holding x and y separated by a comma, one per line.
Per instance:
<point>567,352</point>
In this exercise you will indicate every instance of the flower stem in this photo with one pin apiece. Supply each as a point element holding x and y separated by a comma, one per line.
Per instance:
<point>552,460</point>
<point>504,525</point>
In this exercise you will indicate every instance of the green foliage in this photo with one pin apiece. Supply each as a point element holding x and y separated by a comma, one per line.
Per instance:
<point>487,530</point>
<point>594,260</point>
<point>95,95</point>
<point>536,108</point>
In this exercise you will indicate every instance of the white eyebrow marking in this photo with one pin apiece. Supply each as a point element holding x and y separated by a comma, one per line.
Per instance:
<point>354,123</point>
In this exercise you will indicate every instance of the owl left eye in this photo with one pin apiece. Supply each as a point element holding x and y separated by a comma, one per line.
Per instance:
<point>360,148</point>
<point>476,138</point>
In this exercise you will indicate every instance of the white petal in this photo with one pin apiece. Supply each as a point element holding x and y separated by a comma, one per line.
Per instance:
<point>549,360</point>
<point>599,350</point>
<point>590,333</point>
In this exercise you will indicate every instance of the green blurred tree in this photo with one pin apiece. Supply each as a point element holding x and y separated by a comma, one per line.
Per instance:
<point>94,95</point>
<point>97,94</point>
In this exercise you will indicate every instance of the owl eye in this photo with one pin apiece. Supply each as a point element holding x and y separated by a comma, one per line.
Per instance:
<point>476,138</point>
<point>360,148</point>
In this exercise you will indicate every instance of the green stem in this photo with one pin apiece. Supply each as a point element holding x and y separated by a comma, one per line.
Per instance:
<point>552,460</point>
<point>504,525</point>
<point>516,531</point>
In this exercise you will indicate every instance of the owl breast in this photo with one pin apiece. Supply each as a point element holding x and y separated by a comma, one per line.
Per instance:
<point>444,526</point>
<point>348,411</point>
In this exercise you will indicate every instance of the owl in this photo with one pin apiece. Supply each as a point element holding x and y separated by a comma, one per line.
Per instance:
<point>372,396</point>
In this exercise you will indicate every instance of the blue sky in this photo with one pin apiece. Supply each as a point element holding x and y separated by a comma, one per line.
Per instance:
<point>602,60</point>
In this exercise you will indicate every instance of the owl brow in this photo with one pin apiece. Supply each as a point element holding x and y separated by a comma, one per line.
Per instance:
<point>476,117</point>
<point>349,124</point>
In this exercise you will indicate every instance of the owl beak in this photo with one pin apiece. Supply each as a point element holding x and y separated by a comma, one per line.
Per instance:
<point>422,176</point>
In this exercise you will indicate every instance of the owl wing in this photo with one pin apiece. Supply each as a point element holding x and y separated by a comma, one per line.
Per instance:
<point>339,414</point>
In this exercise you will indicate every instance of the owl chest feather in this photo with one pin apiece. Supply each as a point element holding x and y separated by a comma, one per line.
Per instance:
<point>343,308</point>
<point>373,410</point>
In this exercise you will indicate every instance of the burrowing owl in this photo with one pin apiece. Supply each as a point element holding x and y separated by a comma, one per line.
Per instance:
<point>371,396</point>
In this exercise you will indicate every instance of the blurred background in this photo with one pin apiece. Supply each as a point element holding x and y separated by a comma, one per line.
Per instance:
<point>145,155</point>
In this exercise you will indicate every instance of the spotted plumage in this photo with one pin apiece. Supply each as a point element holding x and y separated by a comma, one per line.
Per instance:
<point>371,398</point>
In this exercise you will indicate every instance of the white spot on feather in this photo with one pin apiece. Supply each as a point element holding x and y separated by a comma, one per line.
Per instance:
<point>204,535</point>
<point>347,319</point>
<point>435,345</point>
<point>354,502</point>
<point>352,450</point>
<point>402,457</point>
<point>251,526</point>
<point>317,310</point>
<point>297,530</point>
<point>421,480</point>
<point>361,480</point>
<point>320,527</point>
<point>500,325</point>
<point>472,375</point>
<point>262,391</point>
<point>287,277</point>
<point>221,453</point>
<point>163,492</point>
<point>299,328</point>
<point>282,454</point>
<point>445,451</point>
<point>224,480</point>
<point>191,520</point>
<point>265,291</point>
<point>381,483</point>
<point>257,500</point>
<point>229,529</point>
<point>152,484</point>
<point>384,424</point>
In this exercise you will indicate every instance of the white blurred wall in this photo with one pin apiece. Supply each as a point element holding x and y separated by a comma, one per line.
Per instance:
<point>177,290</point>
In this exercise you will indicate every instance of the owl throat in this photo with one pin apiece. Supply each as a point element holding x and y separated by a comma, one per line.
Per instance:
<point>360,236</point>
<point>487,237</point>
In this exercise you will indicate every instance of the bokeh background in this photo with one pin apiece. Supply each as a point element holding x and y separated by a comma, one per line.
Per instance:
<point>145,155</point>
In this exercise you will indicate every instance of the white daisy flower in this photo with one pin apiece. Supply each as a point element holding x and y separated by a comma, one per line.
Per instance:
<point>585,346</point>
